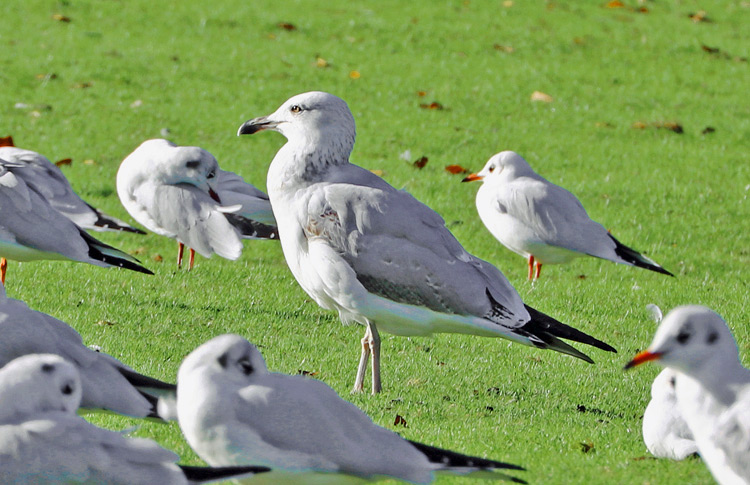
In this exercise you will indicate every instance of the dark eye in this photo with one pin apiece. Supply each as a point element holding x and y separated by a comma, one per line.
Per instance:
<point>48,368</point>
<point>193,164</point>
<point>246,366</point>
<point>683,337</point>
<point>67,390</point>
<point>712,337</point>
<point>211,175</point>
<point>295,109</point>
<point>492,169</point>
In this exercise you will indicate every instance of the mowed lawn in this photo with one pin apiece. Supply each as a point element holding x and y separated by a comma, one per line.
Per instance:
<point>646,119</point>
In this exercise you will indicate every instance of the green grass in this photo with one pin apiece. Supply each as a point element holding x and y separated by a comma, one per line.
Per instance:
<point>200,69</point>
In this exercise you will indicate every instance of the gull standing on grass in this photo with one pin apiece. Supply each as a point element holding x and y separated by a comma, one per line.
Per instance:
<point>108,384</point>
<point>43,441</point>
<point>542,221</point>
<point>712,387</point>
<point>181,193</point>
<point>31,229</point>
<point>376,254</point>
<point>233,411</point>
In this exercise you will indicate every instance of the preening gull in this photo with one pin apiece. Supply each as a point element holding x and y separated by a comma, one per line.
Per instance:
<point>712,387</point>
<point>376,254</point>
<point>48,180</point>
<point>665,432</point>
<point>43,441</point>
<point>542,221</point>
<point>31,229</point>
<point>107,383</point>
<point>233,411</point>
<point>180,192</point>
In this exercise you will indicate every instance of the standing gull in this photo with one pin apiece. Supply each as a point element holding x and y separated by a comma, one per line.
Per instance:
<point>31,229</point>
<point>376,254</point>
<point>712,387</point>
<point>107,383</point>
<point>180,192</point>
<point>542,221</point>
<point>233,411</point>
<point>43,441</point>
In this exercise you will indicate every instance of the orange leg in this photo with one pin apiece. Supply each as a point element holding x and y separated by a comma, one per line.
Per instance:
<point>531,267</point>
<point>538,270</point>
<point>180,250</point>
<point>3,269</point>
<point>192,258</point>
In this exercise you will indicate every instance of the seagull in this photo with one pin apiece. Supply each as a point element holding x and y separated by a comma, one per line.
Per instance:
<point>377,255</point>
<point>31,229</point>
<point>48,180</point>
<point>233,411</point>
<point>542,221</point>
<point>712,387</point>
<point>108,384</point>
<point>665,431</point>
<point>180,192</point>
<point>43,441</point>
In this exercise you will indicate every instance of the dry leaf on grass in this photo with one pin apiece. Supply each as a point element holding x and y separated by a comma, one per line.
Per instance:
<point>64,161</point>
<point>503,48</point>
<point>400,421</point>
<point>61,18</point>
<point>456,169</point>
<point>433,105</point>
<point>287,26</point>
<point>354,75</point>
<point>378,172</point>
<point>540,96</point>
<point>421,162</point>
<point>6,141</point>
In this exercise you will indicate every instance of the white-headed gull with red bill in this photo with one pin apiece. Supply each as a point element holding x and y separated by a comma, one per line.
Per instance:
<point>31,229</point>
<point>377,255</point>
<point>542,221</point>
<point>233,411</point>
<point>712,387</point>
<point>180,192</point>
<point>42,440</point>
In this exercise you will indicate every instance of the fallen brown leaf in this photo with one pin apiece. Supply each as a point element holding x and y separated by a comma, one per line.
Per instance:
<point>699,16</point>
<point>377,172</point>
<point>503,48</point>
<point>421,162</point>
<point>421,94</point>
<point>586,446</point>
<point>400,421</point>
<point>287,26</point>
<point>105,323</point>
<point>157,258</point>
<point>82,85</point>
<point>64,161</point>
<point>540,96</point>
<point>710,50</point>
<point>47,76</point>
<point>61,18</point>
<point>615,4</point>
<point>307,373</point>
<point>456,169</point>
<point>89,162</point>
<point>354,74</point>
<point>6,141</point>
<point>320,62</point>
<point>707,130</point>
<point>433,105</point>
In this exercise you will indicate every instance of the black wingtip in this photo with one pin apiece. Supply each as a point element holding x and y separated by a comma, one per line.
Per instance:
<point>139,380</point>
<point>541,323</point>
<point>252,229</point>
<point>108,222</point>
<point>95,252</point>
<point>452,459</point>
<point>635,258</point>
<point>207,474</point>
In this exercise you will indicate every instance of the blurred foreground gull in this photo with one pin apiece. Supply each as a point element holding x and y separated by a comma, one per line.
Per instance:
<point>542,221</point>
<point>31,229</point>
<point>665,431</point>
<point>712,387</point>
<point>48,180</point>
<point>233,411</point>
<point>107,383</point>
<point>180,192</point>
<point>43,441</point>
<point>376,254</point>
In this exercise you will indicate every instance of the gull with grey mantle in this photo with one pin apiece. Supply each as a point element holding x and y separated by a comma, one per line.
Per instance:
<point>377,255</point>
<point>181,193</point>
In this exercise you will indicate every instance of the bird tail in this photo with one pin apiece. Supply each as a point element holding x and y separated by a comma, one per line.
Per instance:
<point>162,396</point>
<point>203,474</point>
<point>105,253</point>
<point>251,229</point>
<point>108,223</point>
<point>545,332</point>
<point>459,464</point>
<point>631,256</point>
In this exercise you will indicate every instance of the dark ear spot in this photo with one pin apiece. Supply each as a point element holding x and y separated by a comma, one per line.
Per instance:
<point>223,359</point>
<point>67,390</point>
<point>48,368</point>
<point>712,337</point>
<point>673,381</point>
<point>193,164</point>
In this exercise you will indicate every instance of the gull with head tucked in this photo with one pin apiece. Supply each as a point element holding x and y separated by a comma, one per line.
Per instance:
<point>42,440</point>
<point>542,221</point>
<point>711,385</point>
<point>377,255</point>
<point>181,193</point>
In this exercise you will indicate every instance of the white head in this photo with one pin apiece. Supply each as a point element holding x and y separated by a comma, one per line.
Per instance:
<point>36,383</point>
<point>229,360</point>
<point>663,387</point>
<point>692,339</point>
<point>508,164</point>
<point>319,127</point>
<point>170,164</point>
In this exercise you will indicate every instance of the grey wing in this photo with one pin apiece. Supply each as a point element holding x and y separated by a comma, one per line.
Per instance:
<point>555,215</point>
<point>400,249</point>
<point>233,190</point>
<point>28,220</point>
<point>732,436</point>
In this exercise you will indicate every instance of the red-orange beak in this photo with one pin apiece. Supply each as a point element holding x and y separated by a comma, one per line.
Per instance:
<point>472,178</point>
<point>642,357</point>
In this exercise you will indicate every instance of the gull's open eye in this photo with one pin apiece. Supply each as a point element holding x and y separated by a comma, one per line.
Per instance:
<point>211,174</point>
<point>295,109</point>
<point>492,168</point>
<point>246,366</point>
<point>193,164</point>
